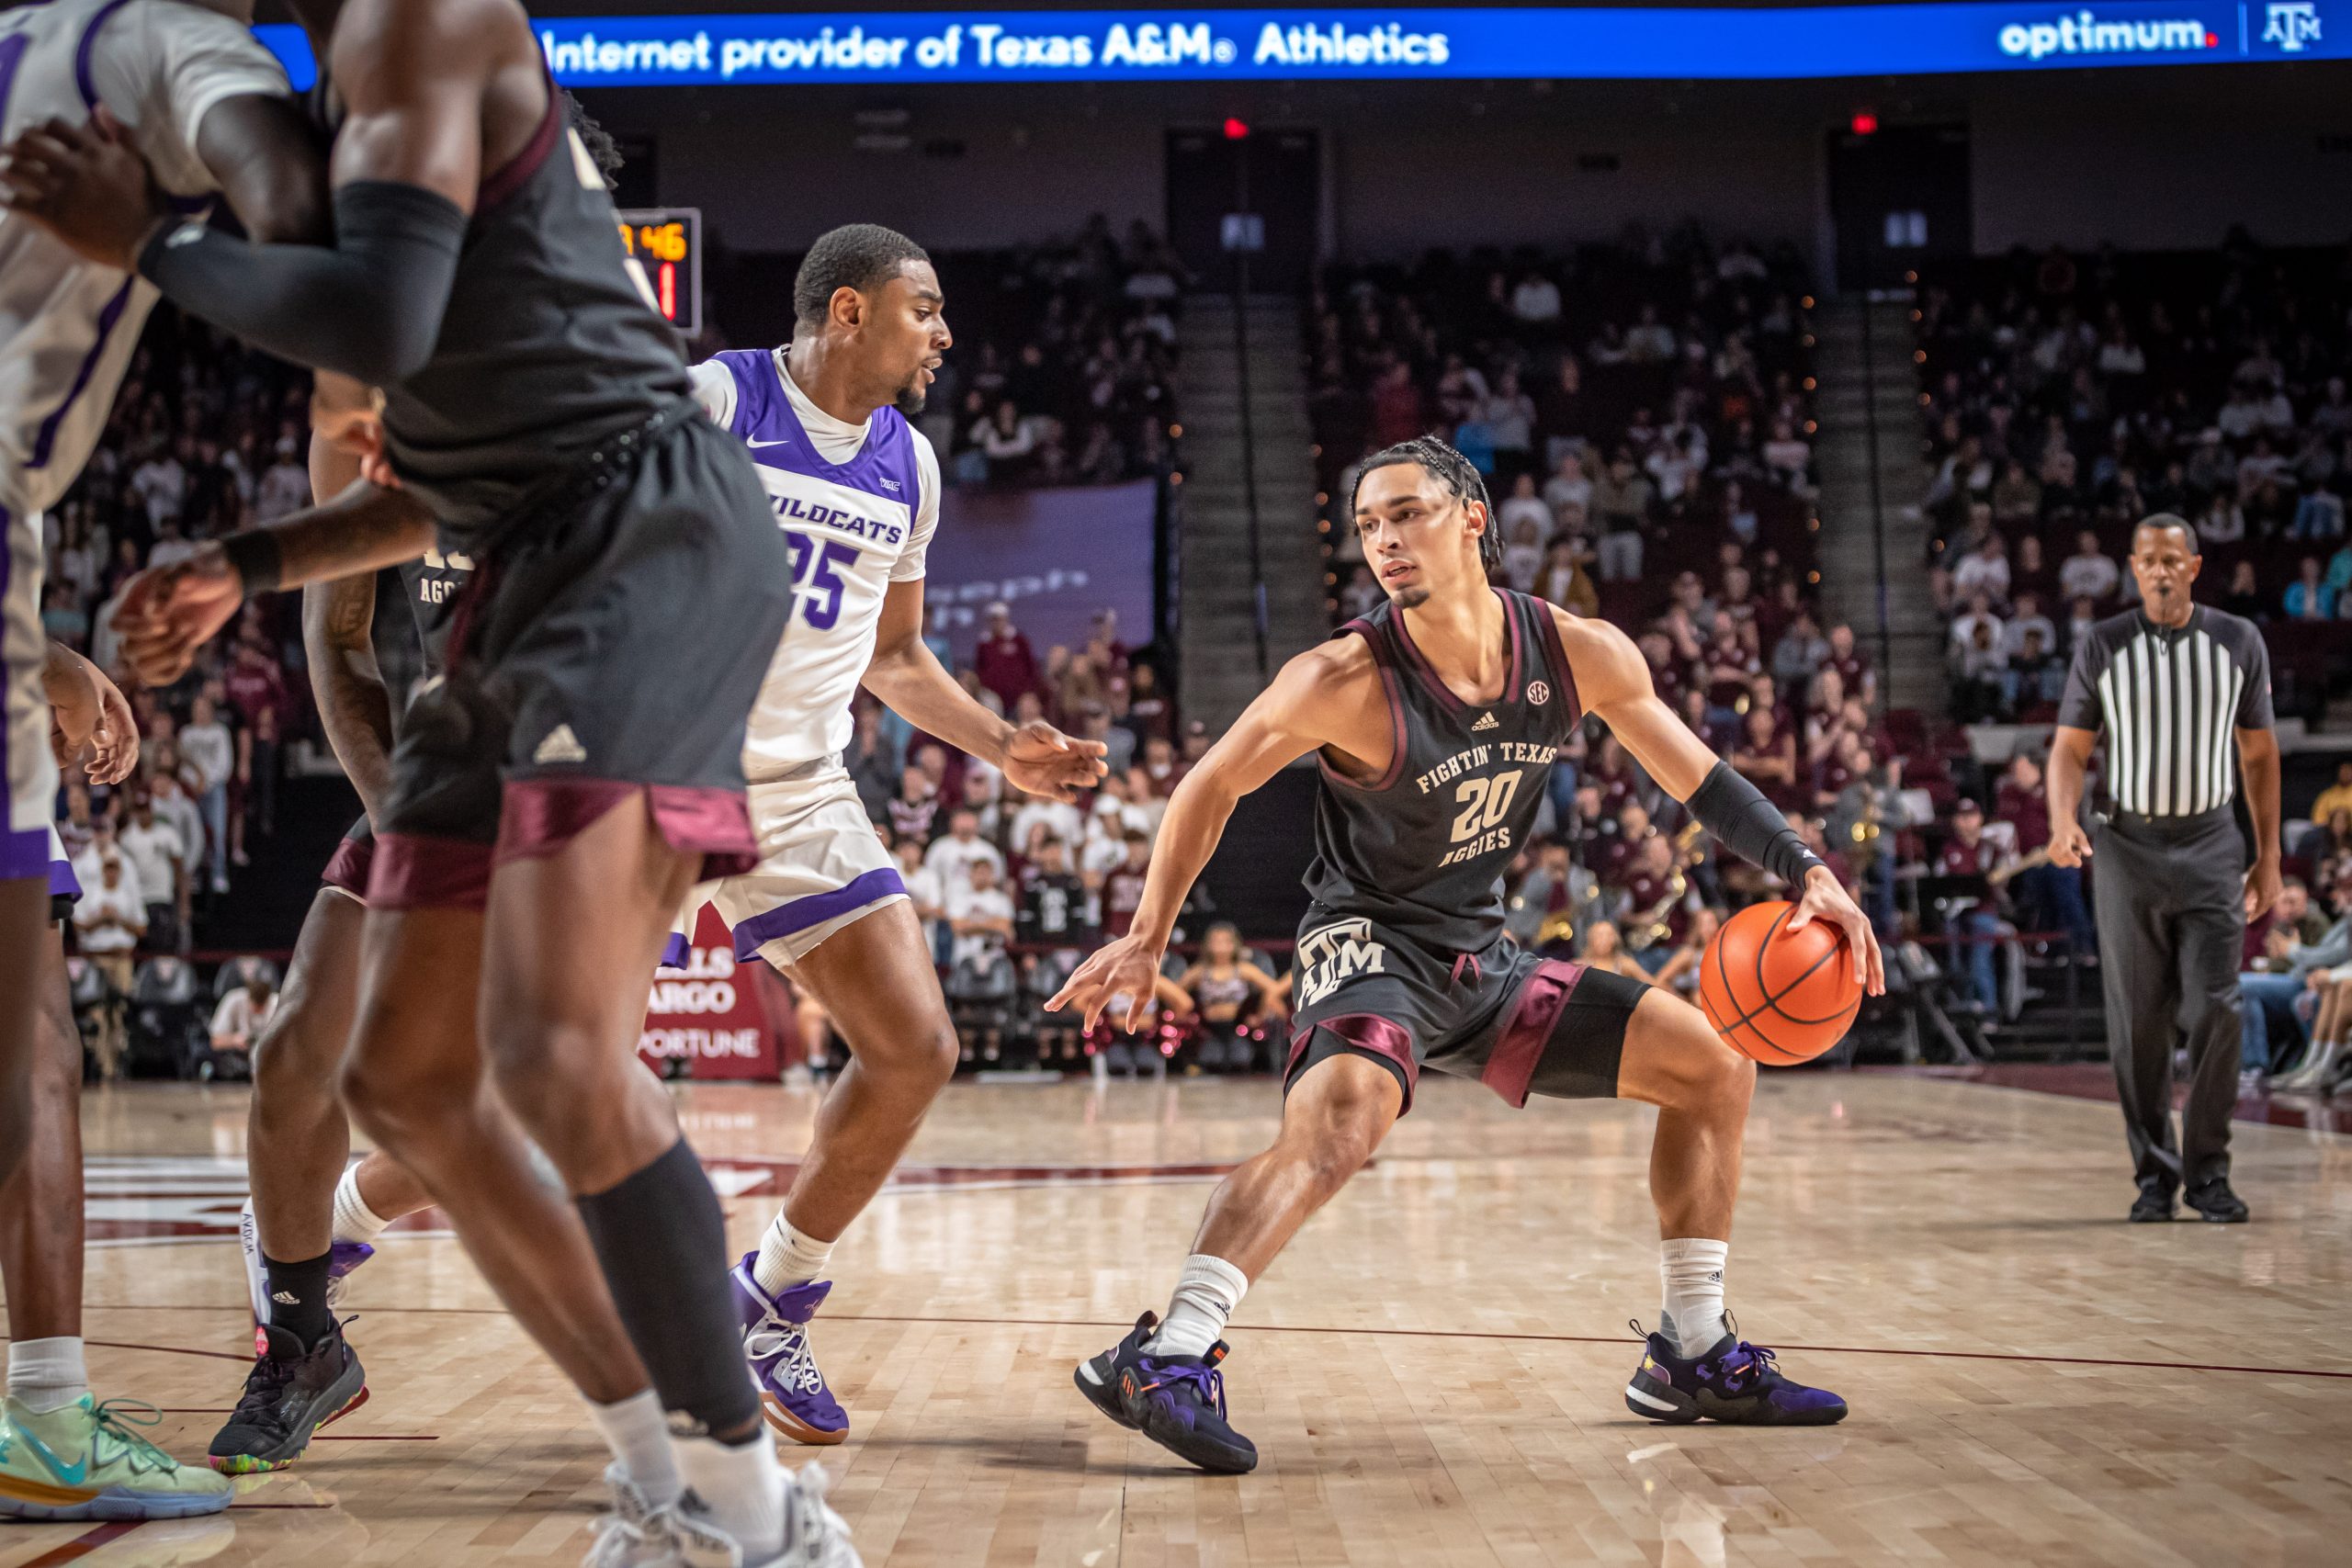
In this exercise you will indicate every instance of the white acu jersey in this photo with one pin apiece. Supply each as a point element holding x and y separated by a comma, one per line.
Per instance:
<point>858,505</point>
<point>68,326</point>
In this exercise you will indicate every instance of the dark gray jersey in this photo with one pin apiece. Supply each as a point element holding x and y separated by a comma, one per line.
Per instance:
<point>1421,850</point>
<point>548,345</point>
<point>2170,702</point>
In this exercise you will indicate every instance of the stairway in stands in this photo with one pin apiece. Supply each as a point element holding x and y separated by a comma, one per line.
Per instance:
<point>1868,402</point>
<point>1217,602</point>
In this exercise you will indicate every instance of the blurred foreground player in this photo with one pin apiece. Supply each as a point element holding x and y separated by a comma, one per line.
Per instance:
<point>855,488</point>
<point>1436,719</point>
<point>553,797</point>
<point>311,1221</point>
<point>185,83</point>
<point>66,1456</point>
<point>188,85</point>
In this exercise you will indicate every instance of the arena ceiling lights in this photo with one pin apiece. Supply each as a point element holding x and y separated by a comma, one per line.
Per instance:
<point>1404,44</point>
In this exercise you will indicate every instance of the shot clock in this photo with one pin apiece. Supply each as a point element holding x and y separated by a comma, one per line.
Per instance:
<point>665,243</point>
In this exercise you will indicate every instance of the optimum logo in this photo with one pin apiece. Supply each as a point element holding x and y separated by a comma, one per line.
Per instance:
<point>2083,33</point>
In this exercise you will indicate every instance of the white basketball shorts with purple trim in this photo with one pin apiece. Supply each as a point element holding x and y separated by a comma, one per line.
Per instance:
<point>26,769</point>
<point>821,867</point>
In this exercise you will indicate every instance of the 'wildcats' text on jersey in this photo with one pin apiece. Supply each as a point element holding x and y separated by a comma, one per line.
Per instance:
<point>857,503</point>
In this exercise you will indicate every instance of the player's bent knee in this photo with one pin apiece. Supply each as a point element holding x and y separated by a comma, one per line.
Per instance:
<point>1674,1059</point>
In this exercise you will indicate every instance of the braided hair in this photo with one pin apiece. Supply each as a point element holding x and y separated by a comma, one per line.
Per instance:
<point>1448,468</point>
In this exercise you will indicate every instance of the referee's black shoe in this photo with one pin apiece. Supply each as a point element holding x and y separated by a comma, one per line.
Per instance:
<point>2154,1206</point>
<point>2214,1199</point>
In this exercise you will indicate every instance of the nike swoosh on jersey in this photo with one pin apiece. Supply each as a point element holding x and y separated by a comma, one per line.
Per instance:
<point>754,443</point>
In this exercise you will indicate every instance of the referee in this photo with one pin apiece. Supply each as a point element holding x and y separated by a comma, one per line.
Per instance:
<point>2178,687</point>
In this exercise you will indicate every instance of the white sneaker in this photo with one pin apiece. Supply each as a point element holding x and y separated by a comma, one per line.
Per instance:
<point>814,1536</point>
<point>635,1534</point>
<point>2319,1064</point>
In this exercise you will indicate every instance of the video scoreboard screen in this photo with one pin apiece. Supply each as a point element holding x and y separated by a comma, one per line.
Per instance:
<point>665,243</point>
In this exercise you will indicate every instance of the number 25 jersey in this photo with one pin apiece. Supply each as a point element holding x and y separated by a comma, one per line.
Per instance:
<point>1421,852</point>
<point>858,507</point>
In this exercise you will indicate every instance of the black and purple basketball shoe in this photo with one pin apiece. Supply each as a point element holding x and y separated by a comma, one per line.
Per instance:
<point>1176,1401</point>
<point>1735,1382</point>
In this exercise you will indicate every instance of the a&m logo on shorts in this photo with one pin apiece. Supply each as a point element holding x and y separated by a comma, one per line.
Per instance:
<point>1329,956</point>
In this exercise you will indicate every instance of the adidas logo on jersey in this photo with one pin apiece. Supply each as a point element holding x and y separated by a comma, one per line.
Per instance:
<point>561,746</point>
<point>1486,721</point>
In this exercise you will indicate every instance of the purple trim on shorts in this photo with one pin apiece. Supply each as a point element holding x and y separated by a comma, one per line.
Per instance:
<point>510,177</point>
<point>1521,1050</point>
<point>1382,1037</point>
<point>62,882</point>
<point>45,439</point>
<point>539,817</point>
<point>677,951</point>
<point>411,870</point>
<point>815,909</point>
<point>347,868</point>
<point>24,851</point>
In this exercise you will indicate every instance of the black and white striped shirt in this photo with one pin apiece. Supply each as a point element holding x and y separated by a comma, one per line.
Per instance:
<point>2171,703</point>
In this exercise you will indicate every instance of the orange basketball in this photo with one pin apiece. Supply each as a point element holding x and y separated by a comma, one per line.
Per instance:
<point>1780,995</point>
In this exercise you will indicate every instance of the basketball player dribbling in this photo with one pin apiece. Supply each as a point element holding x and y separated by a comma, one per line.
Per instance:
<point>1436,718</point>
<point>855,489</point>
<point>553,797</point>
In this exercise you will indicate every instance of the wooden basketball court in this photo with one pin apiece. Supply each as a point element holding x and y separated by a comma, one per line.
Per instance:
<point>1432,1373</point>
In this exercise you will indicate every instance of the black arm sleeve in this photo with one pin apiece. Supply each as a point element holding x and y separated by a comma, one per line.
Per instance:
<point>369,307</point>
<point>1735,812</point>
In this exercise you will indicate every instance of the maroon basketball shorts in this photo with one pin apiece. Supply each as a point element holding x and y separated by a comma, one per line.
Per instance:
<point>1518,1023</point>
<point>607,654</point>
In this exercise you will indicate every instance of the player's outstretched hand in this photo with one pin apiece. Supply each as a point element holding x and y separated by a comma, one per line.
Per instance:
<point>86,184</point>
<point>1127,967</point>
<point>170,612</point>
<point>1825,899</point>
<point>1041,759</point>
<point>114,744</point>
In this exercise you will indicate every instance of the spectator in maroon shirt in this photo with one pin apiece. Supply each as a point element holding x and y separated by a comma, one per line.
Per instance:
<point>1613,773</point>
<point>1852,666</point>
<point>1123,887</point>
<point>1768,759</point>
<point>1396,414</point>
<point>2049,898</point>
<point>1668,676</point>
<point>1006,663</point>
<point>1727,667</point>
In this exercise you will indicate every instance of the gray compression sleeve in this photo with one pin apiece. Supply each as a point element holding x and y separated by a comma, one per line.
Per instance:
<point>1735,812</point>
<point>370,305</point>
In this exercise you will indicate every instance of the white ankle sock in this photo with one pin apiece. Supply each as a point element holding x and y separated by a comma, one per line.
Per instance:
<point>47,1374</point>
<point>354,1220</point>
<point>788,1257</point>
<point>1692,1269</point>
<point>741,1488</point>
<point>638,1434</point>
<point>1206,1292</point>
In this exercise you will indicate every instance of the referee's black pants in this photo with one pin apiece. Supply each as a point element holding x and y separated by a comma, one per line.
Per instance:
<point>2168,898</point>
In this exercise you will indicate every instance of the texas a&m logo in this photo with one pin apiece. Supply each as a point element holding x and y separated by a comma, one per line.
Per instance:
<point>1329,956</point>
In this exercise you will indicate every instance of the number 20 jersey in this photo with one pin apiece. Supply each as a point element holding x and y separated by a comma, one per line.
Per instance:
<point>1421,852</point>
<point>858,514</point>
